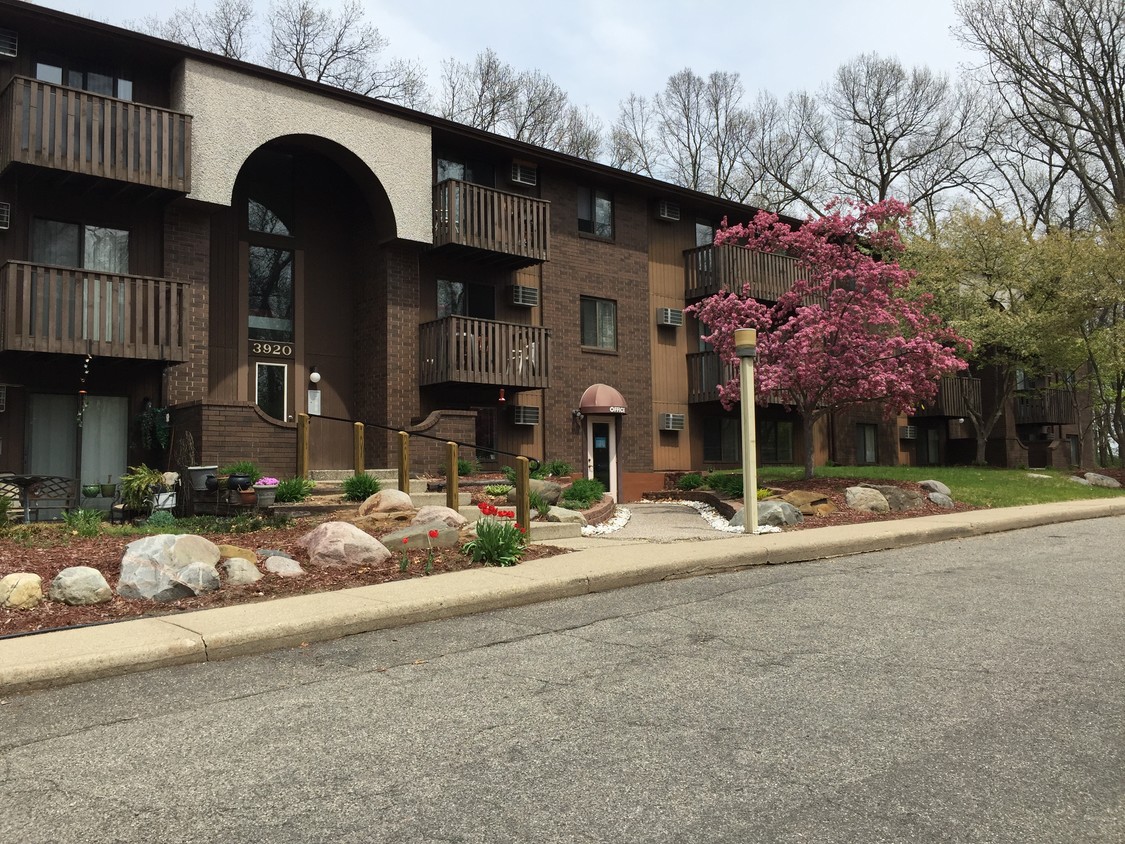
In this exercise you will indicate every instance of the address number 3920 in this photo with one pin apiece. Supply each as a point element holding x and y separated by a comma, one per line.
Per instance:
<point>283,349</point>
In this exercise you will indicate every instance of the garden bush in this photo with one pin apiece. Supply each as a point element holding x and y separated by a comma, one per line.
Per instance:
<point>498,489</point>
<point>83,522</point>
<point>361,487</point>
<point>692,480</point>
<point>729,483</point>
<point>583,493</point>
<point>557,468</point>
<point>243,467</point>
<point>292,490</point>
<point>538,503</point>
<point>160,519</point>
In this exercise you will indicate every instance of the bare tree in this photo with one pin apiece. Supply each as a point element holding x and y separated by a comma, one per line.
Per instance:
<point>228,29</point>
<point>781,153</point>
<point>1059,66</point>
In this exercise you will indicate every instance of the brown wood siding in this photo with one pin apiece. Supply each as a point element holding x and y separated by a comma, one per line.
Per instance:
<point>670,345</point>
<point>225,354</point>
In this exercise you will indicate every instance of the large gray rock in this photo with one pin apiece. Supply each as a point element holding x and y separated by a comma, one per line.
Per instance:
<point>935,486</point>
<point>283,566</point>
<point>941,500</point>
<point>774,513</point>
<point>439,513</point>
<point>418,536</point>
<point>898,499</point>
<point>199,577</point>
<point>240,571</point>
<point>386,501</point>
<point>550,491</point>
<point>1101,480</point>
<point>80,586</point>
<point>342,544</point>
<point>866,499</point>
<point>21,590</point>
<point>565,516</point>
<point>1078,480</point>
<point>151,567</point>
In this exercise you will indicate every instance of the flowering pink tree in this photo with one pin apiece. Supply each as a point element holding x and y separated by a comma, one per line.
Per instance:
<point>846,332</point>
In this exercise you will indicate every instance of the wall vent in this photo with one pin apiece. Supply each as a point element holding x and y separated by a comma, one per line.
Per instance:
<point>526,414</point>
<point>525,297</point>
<point>666,210</point>
<point>908,432</point>
<point>9,44</point>
<point>671,421</point>
<point>524,174</point>
<point>669,316</point>
<point>5,215</point>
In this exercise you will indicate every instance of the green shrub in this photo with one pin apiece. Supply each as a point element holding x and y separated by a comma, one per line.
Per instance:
<point>138,484</point>
<point>243,467</point>
<point>538,503</point>
<point>509,475</point>
<point>729,483</point>
<point>690,481</point>
<point>83,522</point>
<point>498,489</point>
<point>6,506</point>
<point>557,468</point>
<point>467,467</point>
<point>292,490</point>
<point>583,493</point>
<point>498,543</point>
<point>763,493</point>
<point>160,519</point>
<point>361,487</point>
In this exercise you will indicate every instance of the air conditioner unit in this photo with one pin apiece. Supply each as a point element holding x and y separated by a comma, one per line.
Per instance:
<point>525,297</point>
<point>5,215</point>
<point>524,174</point>
<point>908,432</point>
<point>526,414</point>
<point>666,210</point>
<point>671,421</point>
<point>9,44</point>
<point>669,316</point>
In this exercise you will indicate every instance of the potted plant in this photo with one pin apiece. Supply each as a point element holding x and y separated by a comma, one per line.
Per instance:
<point>267,491</point>
<point>109,488</point>
<point>138,486</point>
<point>198,475</point>
<point>91,490</point>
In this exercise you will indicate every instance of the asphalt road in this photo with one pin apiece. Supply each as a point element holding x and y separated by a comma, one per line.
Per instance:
<point>968,691</point>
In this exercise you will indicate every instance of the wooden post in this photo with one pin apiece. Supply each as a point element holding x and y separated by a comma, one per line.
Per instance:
<point>302,445</point>
<point>452,480</point>
<point>523,489</point>
<point>404,462</point>
<point>359,461</point>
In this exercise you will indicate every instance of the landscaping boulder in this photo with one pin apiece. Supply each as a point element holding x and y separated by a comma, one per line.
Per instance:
<point>228,552</point>
<point>283,566</point>
<point>898,499</point>
<point>189,548</point>
<point>565,516</point>
<point>240,571</point>
<point>1101,480</point>
<point>386,501</point>
<point>1037,475</point>
<point>437,513</point>
<point>774,513</point>
<point>810,502</point>
<point>935,486</point>
<point>418,536</point>
<point>199,577</point>
<point>1079,480</point>
<point>550,491</point>
<point>342,544</point>
<point>80,586</point>
<point>21,590</point>
<point>941,500</point>
<point>867,499</point>
<point>151,567</point>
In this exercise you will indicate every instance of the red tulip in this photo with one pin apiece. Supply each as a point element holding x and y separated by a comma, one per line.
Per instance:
<point>433,534</point>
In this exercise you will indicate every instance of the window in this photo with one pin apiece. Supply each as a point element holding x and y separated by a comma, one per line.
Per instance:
<point>595,212</point>
<point>76,245</point>
<point>271,388</point>
<point>775,441</point>
<point>722,439</point>
<point>87,80</point>
<point>271,294</point>
<point>466,170</point>
<point>465,298</point>
<point>599,323</point>
<point>264,220</point>
<point>867,438</point>
<point>704,234</point>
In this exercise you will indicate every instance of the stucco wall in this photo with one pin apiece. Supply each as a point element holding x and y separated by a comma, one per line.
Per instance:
<point>233,114</point>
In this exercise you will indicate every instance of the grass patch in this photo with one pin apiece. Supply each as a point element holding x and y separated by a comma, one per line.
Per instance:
<point>976,485</point>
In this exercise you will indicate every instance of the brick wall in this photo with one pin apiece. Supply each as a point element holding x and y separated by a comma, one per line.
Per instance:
<point>844,434</point>
<point>227,433</point>
<point>187,258</point>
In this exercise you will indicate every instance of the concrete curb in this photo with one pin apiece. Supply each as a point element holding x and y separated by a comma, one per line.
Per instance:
<point>71,656</point>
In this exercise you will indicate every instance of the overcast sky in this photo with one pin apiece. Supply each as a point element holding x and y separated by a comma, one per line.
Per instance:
<point>600,50</point>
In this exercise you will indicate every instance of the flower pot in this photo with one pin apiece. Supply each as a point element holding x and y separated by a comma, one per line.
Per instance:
<point>163,500</point>
<point>199,475</point>
<point>247,497</point>
<point>238,482</point>
<point>266,495</point>
<point>92,490</point>
<point>108,490</point>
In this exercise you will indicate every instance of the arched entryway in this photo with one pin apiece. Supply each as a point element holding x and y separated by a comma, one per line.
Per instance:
<point>602,406</point>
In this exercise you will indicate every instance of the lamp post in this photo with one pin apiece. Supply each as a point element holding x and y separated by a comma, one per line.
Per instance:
<point>746,347</point>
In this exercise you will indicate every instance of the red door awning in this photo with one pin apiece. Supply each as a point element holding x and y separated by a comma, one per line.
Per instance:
<point>602,398</point>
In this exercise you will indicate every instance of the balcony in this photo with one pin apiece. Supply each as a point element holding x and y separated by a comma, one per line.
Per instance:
<point>709,269</point>
<point>47,125</point>
<point>1044,407</point>
<point>705,373</point>
<point>491,226</point>
<point>482,351</point>
<point>955,398</point>
<point>69,311</point>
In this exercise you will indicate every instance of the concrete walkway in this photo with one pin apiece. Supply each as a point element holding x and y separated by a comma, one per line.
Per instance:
<point>602,564</point>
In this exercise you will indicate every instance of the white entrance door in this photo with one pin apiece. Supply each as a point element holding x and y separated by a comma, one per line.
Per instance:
<point>601,451</point>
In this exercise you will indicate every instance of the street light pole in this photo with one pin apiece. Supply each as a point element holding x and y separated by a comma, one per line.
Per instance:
<point>746,347</point>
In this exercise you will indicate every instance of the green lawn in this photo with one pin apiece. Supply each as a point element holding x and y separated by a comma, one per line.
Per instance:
<point>981,487</point>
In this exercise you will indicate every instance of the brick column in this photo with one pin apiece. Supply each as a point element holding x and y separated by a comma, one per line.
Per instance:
<point>187,244</point>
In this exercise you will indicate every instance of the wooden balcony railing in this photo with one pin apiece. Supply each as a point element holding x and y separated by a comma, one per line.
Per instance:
<point>68,129</point>
<point>706,372</point>
<point>493,221</point>
<point>482,351</point>
<point>955,397</point>
<point>1044,407</point>
<point>78,312</point>
<point>709,269</point>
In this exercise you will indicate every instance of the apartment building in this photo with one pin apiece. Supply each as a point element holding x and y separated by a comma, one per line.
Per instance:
<point>188,232</point>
